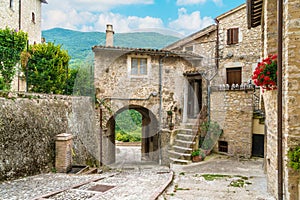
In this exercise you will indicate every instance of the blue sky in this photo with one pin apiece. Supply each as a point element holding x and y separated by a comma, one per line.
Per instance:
<point>182,17</point>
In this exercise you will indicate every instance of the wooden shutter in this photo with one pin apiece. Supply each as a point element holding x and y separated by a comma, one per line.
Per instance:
<point>234,75</point>
<point>233,36</point>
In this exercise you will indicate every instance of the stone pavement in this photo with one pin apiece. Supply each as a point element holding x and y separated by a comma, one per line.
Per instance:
<point>144,182</point>
<point>219,177</point>
<point>131,179</point>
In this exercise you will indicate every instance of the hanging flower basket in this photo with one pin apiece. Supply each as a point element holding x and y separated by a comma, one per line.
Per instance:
<point>265,74</point>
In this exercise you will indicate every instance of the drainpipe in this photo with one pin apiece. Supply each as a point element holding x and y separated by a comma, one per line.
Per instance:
<point>20,15</point>
<point>279,98</point>
<point>217,44</point>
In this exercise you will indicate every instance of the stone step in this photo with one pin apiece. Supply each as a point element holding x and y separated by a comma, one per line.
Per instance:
<point>185,131</point>
<point>184,143</point>
<point>186,137</point>
<point>180,155</point>
<point>181,149</point>
<point>180,161</point>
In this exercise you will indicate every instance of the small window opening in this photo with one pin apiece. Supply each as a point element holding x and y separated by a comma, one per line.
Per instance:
<point>232,36</point>
<point>11,4</point>
<point>33,17</point>
<point>223,146</point>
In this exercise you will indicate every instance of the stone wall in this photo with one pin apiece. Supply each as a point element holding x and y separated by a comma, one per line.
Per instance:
<point>29,124</point>
<point>233,110</point>
<point>9,17</point>
<point>291,98</point>
<point>291,87</point>
<point>111,71</point>
<point>245,53</point>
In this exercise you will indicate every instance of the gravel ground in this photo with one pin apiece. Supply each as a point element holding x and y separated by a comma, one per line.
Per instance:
<point>230,179</point>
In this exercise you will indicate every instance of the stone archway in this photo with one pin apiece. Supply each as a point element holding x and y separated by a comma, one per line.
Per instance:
<point>149,144</point>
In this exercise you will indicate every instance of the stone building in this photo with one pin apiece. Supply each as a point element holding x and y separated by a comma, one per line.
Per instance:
<point>263,13</point>
<point>232,51</point>
<point>151,82</point>
<point>23,15</point>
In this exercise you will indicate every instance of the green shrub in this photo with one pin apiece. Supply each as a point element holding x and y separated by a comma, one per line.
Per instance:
<point>294,158</point>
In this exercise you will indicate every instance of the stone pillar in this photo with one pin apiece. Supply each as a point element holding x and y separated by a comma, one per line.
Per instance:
<point>63,152</point>
<point>185,101</point>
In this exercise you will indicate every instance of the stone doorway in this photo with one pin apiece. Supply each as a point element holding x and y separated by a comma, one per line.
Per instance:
<point>149,149</point>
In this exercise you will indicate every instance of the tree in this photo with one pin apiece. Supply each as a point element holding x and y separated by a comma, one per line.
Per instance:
<point>46,68</point>
<point>12,43</point>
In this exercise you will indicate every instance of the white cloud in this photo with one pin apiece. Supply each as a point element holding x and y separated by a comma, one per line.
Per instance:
<point>96,5</point>
<point>126,24</point>
<point>189,23</point>
<point>189,2</point>
<point>193,2</point>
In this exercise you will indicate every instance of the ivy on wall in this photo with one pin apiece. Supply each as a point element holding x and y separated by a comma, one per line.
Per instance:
<point>294,158</point>
<point>12,43</point>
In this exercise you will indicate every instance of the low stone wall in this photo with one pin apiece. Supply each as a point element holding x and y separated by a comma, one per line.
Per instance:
<point>28,126</point>
<point>233,111</point>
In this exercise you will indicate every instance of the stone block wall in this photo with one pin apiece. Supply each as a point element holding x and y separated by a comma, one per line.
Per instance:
<point>233,111</point>
<point>291,98</point>
<point>29,124</point>
<point>291,87</point>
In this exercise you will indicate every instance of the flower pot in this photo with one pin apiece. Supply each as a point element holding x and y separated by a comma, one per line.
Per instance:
<point>196,158</point>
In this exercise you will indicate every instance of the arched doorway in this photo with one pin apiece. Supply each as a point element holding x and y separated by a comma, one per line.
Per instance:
<point>149,143</point>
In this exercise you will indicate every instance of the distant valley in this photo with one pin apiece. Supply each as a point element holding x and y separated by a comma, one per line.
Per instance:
<point>79,44</point>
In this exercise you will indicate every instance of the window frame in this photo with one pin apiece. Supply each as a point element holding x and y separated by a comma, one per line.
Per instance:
<point>139,57</point>
<point>233,69</point>
<point>232,36</point>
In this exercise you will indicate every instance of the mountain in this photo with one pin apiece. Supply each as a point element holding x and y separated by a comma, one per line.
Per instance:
<point>79,44</point>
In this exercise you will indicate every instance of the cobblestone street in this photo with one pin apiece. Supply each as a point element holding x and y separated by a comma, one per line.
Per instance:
<point>131,179</point>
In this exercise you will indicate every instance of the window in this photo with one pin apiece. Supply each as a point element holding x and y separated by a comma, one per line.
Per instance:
<point>223,146</point>
<point>233,36</point>
<point>234,75</point>
<point>138,66</point>
<point>33,17</point>
<point>11,4</point>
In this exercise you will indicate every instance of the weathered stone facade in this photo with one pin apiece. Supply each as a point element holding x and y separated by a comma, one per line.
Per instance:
<point>290,98</point>
<point>245,53</point>
<point>29,124</point>
<point>10,17</point>
<point>233,110</point>
<point>118,88</point>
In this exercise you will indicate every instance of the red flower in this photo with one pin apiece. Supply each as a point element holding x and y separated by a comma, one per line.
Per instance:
<point>265,74</point>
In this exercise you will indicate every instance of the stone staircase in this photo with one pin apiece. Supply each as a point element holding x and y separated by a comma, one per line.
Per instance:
<point>182,148</point>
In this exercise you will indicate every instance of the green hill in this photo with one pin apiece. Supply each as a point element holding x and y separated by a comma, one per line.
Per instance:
<point>79,44</point>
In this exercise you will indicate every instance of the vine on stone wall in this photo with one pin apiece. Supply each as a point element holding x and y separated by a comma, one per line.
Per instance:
<point>12,43</point>
<point>294,158</point>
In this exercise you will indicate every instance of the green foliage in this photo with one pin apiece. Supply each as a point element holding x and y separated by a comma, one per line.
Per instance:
<point>196,153</point>
<point>82,79</point>
<point>12,43</point>
<point>134,136</point>
<point>294,158</point>
<point>128,121</point>
<point>79,44</point>
<point>47,68</point>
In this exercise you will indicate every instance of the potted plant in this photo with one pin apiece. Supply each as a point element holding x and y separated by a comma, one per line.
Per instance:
<point>198,155</point>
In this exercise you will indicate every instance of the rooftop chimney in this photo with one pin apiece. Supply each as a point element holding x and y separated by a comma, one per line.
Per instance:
<point>109,35</point>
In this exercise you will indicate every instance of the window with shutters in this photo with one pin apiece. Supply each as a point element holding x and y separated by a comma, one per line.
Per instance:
<point>234,75</point>
<point>233,36</point>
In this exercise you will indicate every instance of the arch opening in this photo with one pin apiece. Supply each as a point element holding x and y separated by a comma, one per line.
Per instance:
<point>148,149</point>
